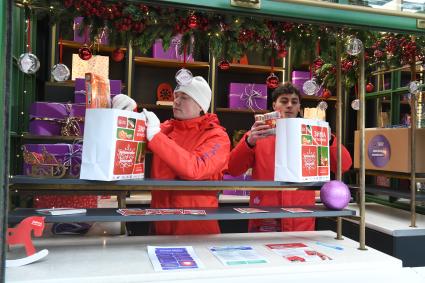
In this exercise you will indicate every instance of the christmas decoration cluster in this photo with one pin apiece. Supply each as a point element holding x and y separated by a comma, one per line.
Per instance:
<point>229,36</point>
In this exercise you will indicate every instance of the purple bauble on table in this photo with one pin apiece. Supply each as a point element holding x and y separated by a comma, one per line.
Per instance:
<point>335,195</point>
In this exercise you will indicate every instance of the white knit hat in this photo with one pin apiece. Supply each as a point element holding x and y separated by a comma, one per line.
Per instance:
<point>199,90</point>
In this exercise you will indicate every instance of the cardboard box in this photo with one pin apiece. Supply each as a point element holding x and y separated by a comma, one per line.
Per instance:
<point>388,149</point>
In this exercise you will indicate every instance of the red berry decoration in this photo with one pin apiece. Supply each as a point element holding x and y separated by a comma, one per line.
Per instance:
<point>192,21</point>
<point>282,52</point>
<point>224,65</point>
<point>272,81</point>
<point>85,53</point>
<point>326,93</point>
<point>370,87</point>
<point>118,55</point>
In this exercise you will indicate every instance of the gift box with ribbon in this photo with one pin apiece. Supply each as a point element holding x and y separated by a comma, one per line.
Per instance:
<point>56,119</point>
<point>80,89</point>
<point>52,160</point>
<point>172,52</point>
<point>82,36</point>
<point>248,96</point>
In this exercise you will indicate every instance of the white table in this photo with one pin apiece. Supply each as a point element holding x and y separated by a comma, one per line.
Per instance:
<point>125,259</point>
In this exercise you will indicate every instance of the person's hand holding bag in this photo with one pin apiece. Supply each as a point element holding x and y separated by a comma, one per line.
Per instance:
<point>124,102</point>
<point>153,124</point>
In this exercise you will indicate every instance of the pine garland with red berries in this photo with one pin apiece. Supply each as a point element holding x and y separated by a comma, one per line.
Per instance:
<point>231,36</point>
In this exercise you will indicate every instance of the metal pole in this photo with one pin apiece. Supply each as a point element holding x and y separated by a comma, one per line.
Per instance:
<point>130,68</point>
<point>362,171</point>
<point>413,152</point>
<point>338,128</point>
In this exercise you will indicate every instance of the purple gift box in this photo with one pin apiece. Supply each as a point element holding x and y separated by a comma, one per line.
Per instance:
<point>65,154</point>
<point>80,89</point>
<point>172,52</point>
<point>48,118</point>
<point>248,96</point>
<point>298,80</point>
<point>243,177</point>
<point>83,36</point>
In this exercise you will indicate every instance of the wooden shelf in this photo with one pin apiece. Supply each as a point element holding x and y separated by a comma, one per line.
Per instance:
<point>420,177</point>
<point>70,83</point>
<point>154,106</point>
<point>26,136</point>
<point>77,45</point>
<point>253,68</point>
<point>317,98</point>
<point>241,111</point>
<point>169,63</point>
<point>403,102</point>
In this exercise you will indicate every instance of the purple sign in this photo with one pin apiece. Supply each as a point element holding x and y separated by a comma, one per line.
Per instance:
<point>379,151</point>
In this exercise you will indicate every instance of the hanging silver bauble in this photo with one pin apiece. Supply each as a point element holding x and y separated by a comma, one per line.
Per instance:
<point>28,63</point>
<point>60,72</point>
<point>322,105</point>
<point>310,87</point>
<point>355,104</point>
<point>184,76</point>
<point>354,46</point>
<point>414,87</point>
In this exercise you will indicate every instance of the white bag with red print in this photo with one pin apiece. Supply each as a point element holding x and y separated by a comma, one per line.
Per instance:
<point>114,145</point>
<point>302,150</point>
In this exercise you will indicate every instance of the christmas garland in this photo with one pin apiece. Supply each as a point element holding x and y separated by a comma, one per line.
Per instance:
<point>230,36</point>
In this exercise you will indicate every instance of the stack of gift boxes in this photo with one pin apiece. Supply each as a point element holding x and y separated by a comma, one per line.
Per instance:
<point>60,119</point>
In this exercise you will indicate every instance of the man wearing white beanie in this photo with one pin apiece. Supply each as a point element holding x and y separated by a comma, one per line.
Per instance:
<point>192,146</point>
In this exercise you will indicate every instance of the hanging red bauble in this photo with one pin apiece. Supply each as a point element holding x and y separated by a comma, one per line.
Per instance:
<point>85,53</point>
<point>326,93</point>
<point>192,21</point>
<point>272,81</point>
<point>370,87</point>
<point>282,52</point>
<point>224,65</point>
<point>118,55</point>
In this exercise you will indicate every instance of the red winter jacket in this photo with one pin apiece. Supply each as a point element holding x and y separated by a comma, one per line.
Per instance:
<point>195,149</point>
<point>261,159</point>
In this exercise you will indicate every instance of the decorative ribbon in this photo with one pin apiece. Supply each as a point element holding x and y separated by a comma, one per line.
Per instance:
<point>250,96</point>
<point>29,35</point>
<point>176,43</point>
<point>72,159</point>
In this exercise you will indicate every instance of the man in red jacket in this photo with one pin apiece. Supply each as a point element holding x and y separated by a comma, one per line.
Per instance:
<point>192,146</point>
<point>256,150</point>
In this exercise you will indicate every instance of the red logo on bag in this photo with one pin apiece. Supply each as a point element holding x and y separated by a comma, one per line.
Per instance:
<point>125,154</point>
<point>320,135</point>
<point>322,171</point>
<point>309,161</point>
<point>139,169</point>
<point>122,122</point>
<point>140,132</point>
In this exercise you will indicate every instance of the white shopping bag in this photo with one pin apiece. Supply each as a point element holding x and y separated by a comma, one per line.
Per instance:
<point>114,145</point>
<point>302,150</point>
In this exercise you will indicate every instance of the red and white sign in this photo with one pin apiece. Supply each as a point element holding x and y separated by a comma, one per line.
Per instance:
<point>302,150</point>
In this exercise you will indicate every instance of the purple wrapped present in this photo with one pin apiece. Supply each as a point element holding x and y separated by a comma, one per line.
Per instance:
<point>248,96</point>
<point>172,52</point>
<point>84,37</point>
<point>243,177</point>
<point>52,160</point>
<point>298,80</point>
<point>80,89</point>
<point>55,119</point>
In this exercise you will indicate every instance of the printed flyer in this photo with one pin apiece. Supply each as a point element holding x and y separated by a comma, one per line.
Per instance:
<point>174,258</point>
<point>297,252</point>
<point>237,255</point>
